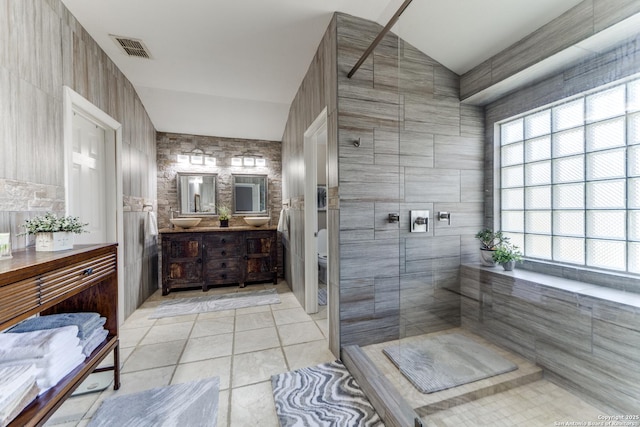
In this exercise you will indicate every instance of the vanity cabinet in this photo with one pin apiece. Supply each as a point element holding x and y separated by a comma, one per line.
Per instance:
<point>205,257</point>
<point>82,279</point>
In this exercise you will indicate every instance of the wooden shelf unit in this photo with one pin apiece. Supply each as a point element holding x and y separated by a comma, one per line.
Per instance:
<point>82,279</point>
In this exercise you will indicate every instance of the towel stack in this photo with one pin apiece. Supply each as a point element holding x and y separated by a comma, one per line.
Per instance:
<point>54,352</point>
<point>17,389</point>
<point>91,331</point>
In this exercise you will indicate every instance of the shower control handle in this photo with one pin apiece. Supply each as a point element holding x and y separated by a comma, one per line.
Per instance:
<point>394,217</point>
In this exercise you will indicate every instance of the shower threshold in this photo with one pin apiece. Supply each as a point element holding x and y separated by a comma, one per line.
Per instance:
<point>381,371</point>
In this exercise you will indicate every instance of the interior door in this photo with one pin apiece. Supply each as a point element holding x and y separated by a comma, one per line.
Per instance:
<point>88,192</point>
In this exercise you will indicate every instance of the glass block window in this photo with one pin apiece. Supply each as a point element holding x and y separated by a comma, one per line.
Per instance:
<point>570,180</point>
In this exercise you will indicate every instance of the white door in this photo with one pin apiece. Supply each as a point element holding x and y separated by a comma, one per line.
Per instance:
<point>88,192</point>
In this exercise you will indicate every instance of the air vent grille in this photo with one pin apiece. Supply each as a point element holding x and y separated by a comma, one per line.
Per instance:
<point>131,47</point>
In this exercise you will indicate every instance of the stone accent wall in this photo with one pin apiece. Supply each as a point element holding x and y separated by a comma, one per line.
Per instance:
<point>42,48</point>
<point>169,145</point>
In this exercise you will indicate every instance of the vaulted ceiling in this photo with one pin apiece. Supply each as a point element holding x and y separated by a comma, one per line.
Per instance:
<point>232,68</point>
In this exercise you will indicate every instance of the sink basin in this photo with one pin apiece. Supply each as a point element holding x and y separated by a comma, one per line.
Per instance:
<point>256,221</point>
<point>185,222</point>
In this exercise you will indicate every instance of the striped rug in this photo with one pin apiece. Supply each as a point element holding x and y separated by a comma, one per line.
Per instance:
<point>323,395</point>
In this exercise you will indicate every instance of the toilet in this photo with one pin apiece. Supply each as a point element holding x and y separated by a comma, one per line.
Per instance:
<point>322,255</point>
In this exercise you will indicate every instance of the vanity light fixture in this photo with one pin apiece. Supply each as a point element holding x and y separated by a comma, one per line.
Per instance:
<point>197,157</point>
<point>249,161</point>
<point>261,162</point>
<point>236,161</point>
<point>210,161</point>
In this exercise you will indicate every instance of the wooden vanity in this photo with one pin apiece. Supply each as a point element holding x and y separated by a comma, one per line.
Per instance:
<point>211,256</point>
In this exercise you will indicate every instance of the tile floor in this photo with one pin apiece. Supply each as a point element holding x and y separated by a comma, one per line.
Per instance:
<point>243,347</point>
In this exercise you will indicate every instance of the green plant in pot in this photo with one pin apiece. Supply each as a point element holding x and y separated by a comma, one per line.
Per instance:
<point>224,213</point>
<point>54,233</point>
<point>489,241</point>
<point>507,255</point>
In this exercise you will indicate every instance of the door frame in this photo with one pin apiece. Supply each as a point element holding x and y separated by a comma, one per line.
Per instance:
<point>318,126</point>
<point>73,102</point>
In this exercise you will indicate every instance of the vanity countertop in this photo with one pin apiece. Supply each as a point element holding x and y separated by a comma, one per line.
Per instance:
<point>216,229</point>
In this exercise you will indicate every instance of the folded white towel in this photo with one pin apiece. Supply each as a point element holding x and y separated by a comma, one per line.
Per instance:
<point>36,344</point>
<point>15,381</point>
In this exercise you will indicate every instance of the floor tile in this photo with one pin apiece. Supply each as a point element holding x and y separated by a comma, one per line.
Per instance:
<point>154,356</point>
<point>252,406</point>
<point>254,321</point>
<point>308,354</point>
<point>256,339</point>
<point>216,326</point>
<point>165,333</point>
<point>131,337</point>
<point>257,366</point>
<point>216,314</point>
<point>139,319</point>
<point>256,309</point>
<point>208,347</point>
<point>219,367</point>
<point>297,333</point>
<point>290,315</point>
<point>73,409</point>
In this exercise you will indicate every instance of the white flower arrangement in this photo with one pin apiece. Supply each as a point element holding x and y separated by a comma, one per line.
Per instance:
<point>50,223</point>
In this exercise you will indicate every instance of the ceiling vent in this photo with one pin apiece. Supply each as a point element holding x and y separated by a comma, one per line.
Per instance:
<point>131,47</point>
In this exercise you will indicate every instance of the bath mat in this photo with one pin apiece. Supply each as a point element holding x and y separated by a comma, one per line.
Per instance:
<point>182,306</point>
<point>323,395</point>
<point>445,361</point>
<point>189,404</point>
<point>322,296</point>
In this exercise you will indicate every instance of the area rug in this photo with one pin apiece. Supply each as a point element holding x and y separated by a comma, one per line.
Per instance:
<point>189,404</point>
<point>182,306</point>
<point>322,296</point>
<point>323,395</point>
<point>445,361</point>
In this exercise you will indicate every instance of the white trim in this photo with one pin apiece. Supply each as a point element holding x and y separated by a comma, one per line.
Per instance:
<point>74,102</point>
<point>311,212</point>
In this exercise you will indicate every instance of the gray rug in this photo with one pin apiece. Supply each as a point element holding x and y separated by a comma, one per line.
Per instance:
<point>182,306</point>
<point>445,361</point>
<point>190,404</point>
<point>323,395</point>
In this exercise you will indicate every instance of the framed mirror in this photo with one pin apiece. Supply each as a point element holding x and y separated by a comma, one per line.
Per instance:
<point>249,194</point>
<point>197,194</point>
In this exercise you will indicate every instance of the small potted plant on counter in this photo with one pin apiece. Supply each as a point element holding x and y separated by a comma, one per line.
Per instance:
<point>54,233</point>
<point>489,241</point>
<point>507,255</point>
<point>224,213</point>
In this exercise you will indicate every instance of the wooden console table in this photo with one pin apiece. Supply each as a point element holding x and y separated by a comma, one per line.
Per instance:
<point>82,279</point>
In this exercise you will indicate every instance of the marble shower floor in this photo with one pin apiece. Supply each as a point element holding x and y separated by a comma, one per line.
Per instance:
<point>244,347</point>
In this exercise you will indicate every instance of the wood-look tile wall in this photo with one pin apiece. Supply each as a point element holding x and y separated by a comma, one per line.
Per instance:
<point>586,343</point>
<point>577,24</point>
<point>420,149</point>
<point>42,48</point>
<point>317,91</point>
<point>169,145</point>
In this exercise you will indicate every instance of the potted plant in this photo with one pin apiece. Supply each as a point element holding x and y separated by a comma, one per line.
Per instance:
<point>53,233</point>
<point>224,213</point>
<point>507,255</point>
<point>489,241</point>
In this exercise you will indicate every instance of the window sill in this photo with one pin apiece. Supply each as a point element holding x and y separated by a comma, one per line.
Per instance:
<point>581,289</point>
